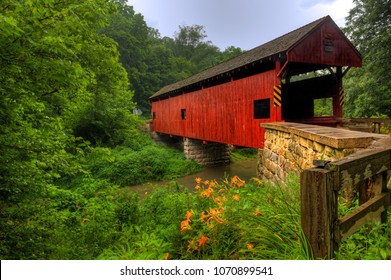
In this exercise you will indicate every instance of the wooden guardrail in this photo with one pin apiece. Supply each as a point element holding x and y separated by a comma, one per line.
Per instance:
<point>367,172</point>
<point>374,125</point>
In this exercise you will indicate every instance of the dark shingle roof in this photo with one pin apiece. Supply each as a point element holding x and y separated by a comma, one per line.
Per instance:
<point>276,46</point>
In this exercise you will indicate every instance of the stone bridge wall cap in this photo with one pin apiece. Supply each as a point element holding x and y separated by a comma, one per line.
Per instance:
<point>338,138</point>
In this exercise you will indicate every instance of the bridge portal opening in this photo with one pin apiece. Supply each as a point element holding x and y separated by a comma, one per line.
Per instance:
<point>311,99</point>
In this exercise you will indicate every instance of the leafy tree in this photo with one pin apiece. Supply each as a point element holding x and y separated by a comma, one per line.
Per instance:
<point>150,64</point>
<point>131,33</point>
<point>54,63</point>
<point>189,43</point>
<point>60,78</point>
<point>228,53</point>
<point>369,88</point>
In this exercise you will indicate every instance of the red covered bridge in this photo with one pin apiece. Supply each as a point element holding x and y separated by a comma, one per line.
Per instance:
<point>228,102</point>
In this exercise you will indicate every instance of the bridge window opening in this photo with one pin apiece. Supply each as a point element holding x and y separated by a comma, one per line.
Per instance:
<point>154,115</point>
<point>323,107</point>
<point>262,108</point>
<point>183,114</point>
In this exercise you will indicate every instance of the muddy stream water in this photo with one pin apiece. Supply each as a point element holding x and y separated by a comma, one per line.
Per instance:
<point>245,169</point>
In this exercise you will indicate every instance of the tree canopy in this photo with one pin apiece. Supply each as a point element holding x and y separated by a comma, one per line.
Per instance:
<point>369,88</point>
<point>60,78</point>
<point>152,61</point>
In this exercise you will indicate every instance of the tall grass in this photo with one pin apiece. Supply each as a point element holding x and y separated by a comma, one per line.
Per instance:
<point>257,221</point>
<point>233,219</point>
<point>229,219</point>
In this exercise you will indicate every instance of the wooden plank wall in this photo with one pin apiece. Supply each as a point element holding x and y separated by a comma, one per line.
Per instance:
<point>327,46</point>
<point>222,113</point>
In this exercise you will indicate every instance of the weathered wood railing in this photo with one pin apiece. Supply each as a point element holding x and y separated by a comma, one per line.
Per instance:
<point>373,125</point>
<point>368,172</point>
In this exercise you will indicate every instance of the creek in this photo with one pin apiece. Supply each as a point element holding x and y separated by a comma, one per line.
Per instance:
<point>245,169</point>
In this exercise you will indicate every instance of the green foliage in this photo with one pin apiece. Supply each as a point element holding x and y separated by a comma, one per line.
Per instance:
<point>43,73</point>
<point>243,154</point>
<point>157,231</point>
<point>368,89</point>
<point>323,107</point>
<point>58,74</point>
<point>138,244</point>
<point>60,84</point>
<point>68,142</point>
<point>371,242</point>
<point>126,166</point>
<point>63,224</point>
<point>226,220</point>
<point>234,220</point>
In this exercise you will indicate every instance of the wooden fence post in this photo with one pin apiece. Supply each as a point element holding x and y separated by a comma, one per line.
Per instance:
<point>319,210</point>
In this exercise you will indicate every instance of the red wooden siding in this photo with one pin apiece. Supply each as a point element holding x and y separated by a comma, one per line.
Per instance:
<point>223,113</point>
<point>326,45</point>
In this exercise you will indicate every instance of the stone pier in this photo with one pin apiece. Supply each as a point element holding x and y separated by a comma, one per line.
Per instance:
<point>206,153</point>
<point>202,152</point>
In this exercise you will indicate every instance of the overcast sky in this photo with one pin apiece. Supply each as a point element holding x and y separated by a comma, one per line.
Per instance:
<point>240,23</point>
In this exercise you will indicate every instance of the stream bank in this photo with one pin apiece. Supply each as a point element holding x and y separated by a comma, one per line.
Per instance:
<point>244,169</point>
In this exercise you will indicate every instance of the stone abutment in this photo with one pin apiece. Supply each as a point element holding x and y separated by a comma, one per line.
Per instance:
<point>294,147</point>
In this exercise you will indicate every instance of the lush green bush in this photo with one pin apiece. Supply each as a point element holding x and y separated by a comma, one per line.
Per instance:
<point>62,224</point>
<point>371,242</point>
<point>157,231</point>
<point>243,153</point>
<point>126,166</point>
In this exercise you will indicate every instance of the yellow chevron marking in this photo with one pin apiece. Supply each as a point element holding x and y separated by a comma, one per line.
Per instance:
<point>277,96</point>
<point>341,96</point>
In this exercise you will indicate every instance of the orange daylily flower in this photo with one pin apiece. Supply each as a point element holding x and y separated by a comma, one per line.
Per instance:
<point>206,182</point>
<point>240,183</point>
<point>185,225</point>
<point>212,184</point>
<point>189,215</point>
<point>250,246</point>
<point>166,256</point>
<point>203,216</point>
<point>257,213</point>
<point>258,181</point>
<point>236,197</point>
<point>207,192</point>
<point>202,241</point>
<point>213,215</point>
<point>197,187</point>
<point>198,180</point>
<point>237,182</point>
<point>219,201</point>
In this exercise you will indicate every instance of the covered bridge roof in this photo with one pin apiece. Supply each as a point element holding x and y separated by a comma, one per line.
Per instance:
<point>277,46</point>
